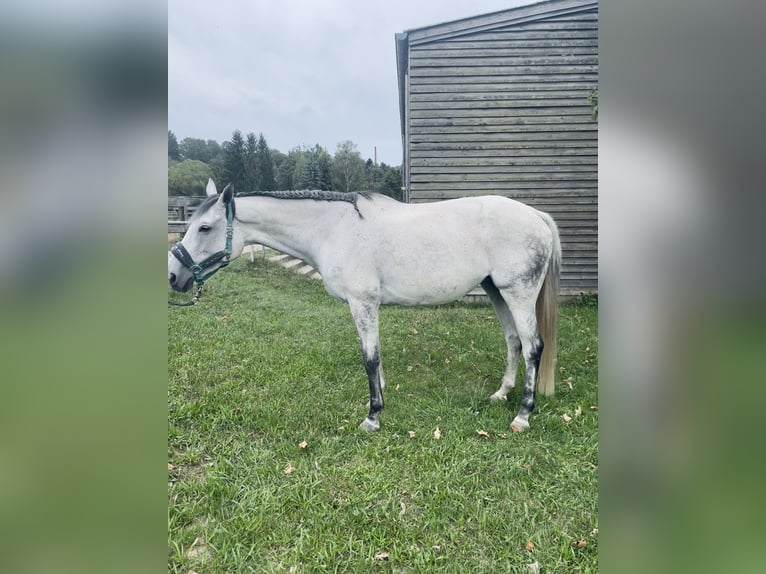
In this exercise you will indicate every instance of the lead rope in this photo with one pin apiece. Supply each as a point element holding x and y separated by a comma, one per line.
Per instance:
<point>193,301</point>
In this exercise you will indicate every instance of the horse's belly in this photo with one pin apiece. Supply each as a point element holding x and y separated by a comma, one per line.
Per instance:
<point>428,290</point>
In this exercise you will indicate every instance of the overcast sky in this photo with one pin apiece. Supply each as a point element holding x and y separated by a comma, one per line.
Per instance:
<point>299,71</point>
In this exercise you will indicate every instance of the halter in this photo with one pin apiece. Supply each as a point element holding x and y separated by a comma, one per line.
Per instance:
<point>198,269</point>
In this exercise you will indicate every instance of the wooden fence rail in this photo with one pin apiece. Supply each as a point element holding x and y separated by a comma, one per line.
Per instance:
<point>180,210</point>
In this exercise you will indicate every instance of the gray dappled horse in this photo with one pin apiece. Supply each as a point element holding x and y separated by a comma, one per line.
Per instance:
<point>373,250</point>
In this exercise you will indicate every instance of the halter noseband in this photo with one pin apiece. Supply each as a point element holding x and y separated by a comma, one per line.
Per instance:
<point>198,269</point>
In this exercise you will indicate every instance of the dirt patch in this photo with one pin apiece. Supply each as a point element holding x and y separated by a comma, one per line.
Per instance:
<point>189,471</point>
<point>198,551</point>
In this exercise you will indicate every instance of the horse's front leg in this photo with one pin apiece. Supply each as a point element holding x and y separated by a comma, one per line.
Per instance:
<point>365,314</point>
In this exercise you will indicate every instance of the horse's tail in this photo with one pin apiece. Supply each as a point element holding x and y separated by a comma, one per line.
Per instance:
<point>547,313</point>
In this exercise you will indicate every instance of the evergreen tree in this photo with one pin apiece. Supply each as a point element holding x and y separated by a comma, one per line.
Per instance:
<point>310,174</point>
<point>277,161</point>
<point>317,169</point>
<point>384,179</point>
<point>213,150</point>
<point>250,165</point>
<point>265,166</point>
<point>218,168</point>
<point>301,159</point>
<point>286,173</point>
<point>234,162</point>
<point>324,167</point>
<point>371,172</point>
<point>174,152</point>
<point>391,181</point>
<point>252,172</point>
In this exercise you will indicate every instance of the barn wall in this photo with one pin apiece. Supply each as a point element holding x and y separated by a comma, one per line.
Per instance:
<point>505,111</point>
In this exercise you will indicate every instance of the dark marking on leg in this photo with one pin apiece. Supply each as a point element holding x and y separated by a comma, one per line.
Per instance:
<point>372,366</point>
<point>513,341</point>
<point>530,386</point>
<point>528,402</point>
<point>365,315</point>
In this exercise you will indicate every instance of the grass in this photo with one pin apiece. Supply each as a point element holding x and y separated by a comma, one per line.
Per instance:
<point>268,360</point>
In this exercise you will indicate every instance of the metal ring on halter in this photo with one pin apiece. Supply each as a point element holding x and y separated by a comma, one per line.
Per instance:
<point>193,301</point>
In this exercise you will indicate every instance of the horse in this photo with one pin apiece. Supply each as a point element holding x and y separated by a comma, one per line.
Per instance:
<point>372,250</point>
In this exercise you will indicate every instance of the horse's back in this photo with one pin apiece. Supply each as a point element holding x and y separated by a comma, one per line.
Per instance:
<point>436,252</point>
<point>481,220</point>
<point>462,207</point>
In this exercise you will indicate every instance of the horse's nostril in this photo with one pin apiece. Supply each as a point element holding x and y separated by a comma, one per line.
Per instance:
<point>172,278</point>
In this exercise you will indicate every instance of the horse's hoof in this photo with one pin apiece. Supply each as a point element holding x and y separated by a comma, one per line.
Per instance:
<point>369,425</point>
<point>495,398</point>
<point>519,425</point>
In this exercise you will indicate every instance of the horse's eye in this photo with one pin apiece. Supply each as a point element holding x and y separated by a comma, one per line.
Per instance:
<point>204,228</point>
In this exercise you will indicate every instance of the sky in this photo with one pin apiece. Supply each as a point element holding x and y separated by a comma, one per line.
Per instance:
<point>301,72</point>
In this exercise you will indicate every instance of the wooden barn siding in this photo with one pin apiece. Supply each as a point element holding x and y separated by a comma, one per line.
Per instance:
<point>506,111</point>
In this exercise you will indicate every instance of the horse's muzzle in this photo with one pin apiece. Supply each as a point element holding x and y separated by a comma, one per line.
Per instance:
<point>180,287</point>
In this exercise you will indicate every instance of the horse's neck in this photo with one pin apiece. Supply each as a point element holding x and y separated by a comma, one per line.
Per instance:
<point>292,226</point>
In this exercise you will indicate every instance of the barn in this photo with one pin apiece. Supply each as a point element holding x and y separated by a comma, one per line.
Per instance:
<point>498,104</point>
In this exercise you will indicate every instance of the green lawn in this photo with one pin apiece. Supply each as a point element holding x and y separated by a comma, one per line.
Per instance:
<point>268,360</point>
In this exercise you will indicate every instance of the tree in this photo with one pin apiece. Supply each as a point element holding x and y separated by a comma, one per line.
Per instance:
<point>301,159</point>
<point>265,166</point>
<point>252,177</point>
<point>188,177</point>
<point>214,150</point>
<point>286,172</point>
<point>199,149</point>
<point>324,165</point>
<point>310,173</point>
<point>249,164</point>
<point>391,181</point>
<point>218,169</point>
<point>234,161</point>
<point>384,179</point>
<point>316,172</point>
<point>347,167</point>
<point>278,159</point>
<point>174,152</point>
<point>371,174</point>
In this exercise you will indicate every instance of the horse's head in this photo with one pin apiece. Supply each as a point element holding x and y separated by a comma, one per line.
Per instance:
<point>208,243</point>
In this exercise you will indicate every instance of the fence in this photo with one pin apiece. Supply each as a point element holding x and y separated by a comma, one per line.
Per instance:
<point>180,210</point>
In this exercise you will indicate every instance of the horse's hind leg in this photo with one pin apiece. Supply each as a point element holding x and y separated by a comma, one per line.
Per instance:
<point>365,316</point>
<point>523,311</point>
<point>511,338</point>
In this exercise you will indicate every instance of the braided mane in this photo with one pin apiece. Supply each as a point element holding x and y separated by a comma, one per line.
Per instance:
<point>315,194</point>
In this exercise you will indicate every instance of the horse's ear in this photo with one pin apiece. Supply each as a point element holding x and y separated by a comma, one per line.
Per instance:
<point>227,193</point>
<point>211,190</point>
